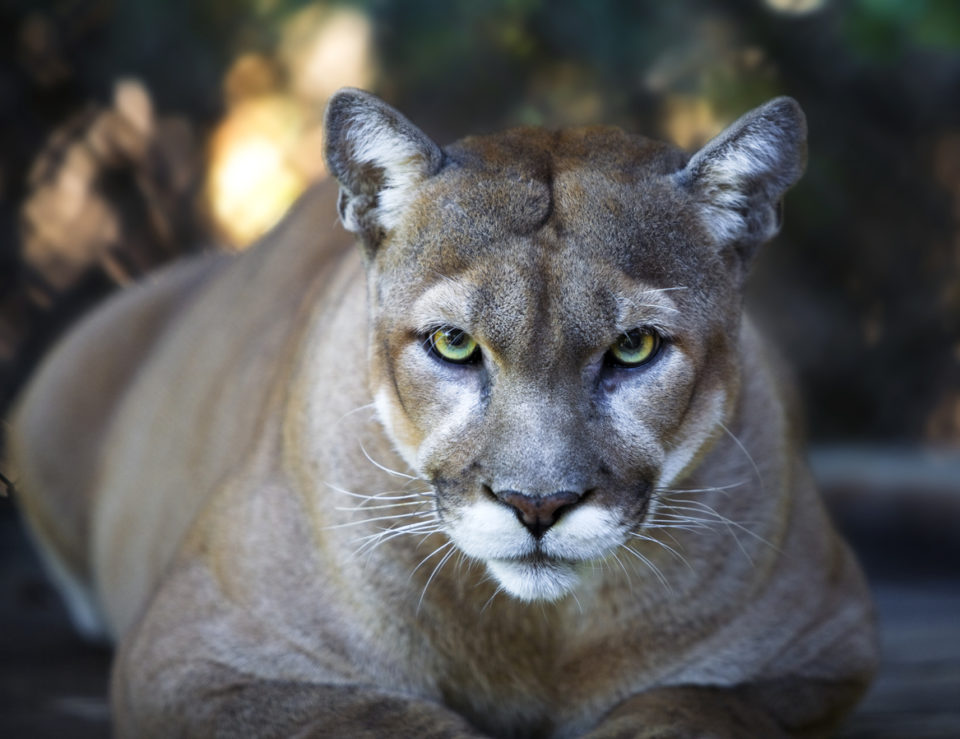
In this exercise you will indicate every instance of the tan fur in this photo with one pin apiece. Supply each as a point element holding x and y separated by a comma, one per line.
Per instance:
<point>192,458</point>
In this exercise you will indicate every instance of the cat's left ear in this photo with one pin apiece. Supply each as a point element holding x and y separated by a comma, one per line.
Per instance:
<point>379,158</point>
<point>739,178</point>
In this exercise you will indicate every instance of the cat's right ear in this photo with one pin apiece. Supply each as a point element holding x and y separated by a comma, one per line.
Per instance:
<point>379,158</point>
<point>739,178</point>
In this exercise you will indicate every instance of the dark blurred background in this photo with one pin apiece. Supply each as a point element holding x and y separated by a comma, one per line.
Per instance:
<point>133,132</point>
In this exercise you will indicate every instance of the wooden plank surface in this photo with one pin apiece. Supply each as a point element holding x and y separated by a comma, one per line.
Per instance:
<point>917,693</point>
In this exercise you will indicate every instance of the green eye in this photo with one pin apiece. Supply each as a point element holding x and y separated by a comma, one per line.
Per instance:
<point>454,345</point>
<point>634,348</point>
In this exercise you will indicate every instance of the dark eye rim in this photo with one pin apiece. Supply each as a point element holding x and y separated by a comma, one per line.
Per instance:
<point>659,341</point>
<point>427,341</point>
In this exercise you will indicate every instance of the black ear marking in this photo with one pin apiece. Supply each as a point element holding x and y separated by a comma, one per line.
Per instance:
<point>739,178</point>
<point>379,158</point>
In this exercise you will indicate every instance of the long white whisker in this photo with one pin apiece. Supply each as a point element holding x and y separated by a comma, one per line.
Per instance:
<point>664,289</point>
<point>666,546</point>
<point>672,536</point>
<point>743,449</point>
<point>664,520</point>
<point>430,556</point>
<point>650,565</point>
<point>389,471</point>
<point>371,542</point>
<point>385,495</point>
<point>490,599</point>
<point>669,308</point>
<point>433,574</point>
<point>667,492</point>
<point>730,525</point>
<point>672,516</point>
<point>573,595</point>
<point>622,567</point>
<point>694,526</point>
<point>699,506</point>
<point>702,523</point>
<point>396,517</point>
<point>363,507</point>
<point>406,528</point>
<point>367,406</point>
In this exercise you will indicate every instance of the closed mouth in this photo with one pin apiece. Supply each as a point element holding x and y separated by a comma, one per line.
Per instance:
<point>535,577</point>
<point>539,558</point>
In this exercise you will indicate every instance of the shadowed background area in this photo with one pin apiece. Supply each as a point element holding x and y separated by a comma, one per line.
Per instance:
<point>137,132</point>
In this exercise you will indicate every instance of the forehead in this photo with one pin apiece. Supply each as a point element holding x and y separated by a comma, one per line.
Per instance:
<point>597,190</point>
<point>541,218</point>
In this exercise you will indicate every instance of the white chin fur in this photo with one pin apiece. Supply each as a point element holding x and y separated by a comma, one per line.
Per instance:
<point>546,581</point>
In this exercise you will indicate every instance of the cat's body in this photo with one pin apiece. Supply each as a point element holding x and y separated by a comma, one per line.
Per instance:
<point>533,476</point>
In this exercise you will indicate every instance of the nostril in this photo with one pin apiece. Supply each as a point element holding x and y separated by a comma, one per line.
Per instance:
<point>538,512</point>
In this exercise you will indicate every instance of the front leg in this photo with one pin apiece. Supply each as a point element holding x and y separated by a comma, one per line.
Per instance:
<point>783,708</point>
<point>199,664</point>
<point>219,703</point>
<point>191,695</point>
<point>687,713</point>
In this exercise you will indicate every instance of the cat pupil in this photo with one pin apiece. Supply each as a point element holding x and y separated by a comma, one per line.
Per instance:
<point>631,341</point>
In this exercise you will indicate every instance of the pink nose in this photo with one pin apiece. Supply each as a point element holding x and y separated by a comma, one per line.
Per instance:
<point>538,512</point>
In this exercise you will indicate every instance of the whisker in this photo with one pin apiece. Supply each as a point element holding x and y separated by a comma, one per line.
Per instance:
<point>389,471</point>
<point>650,565</point>
<point>664,289</point>
<point>743,449</point>
<point>367,406</point>
<point>361,522</point>
<point>672,515</point>
<point>672,536</point>
<point>490,599</point>
<point>573,594</point>
<point>385,495</point>
<point>364,507</point>
<point>696,527</point>
<point>666,492</point>
<point>383,531</point>
<point>678,521</point>
<point>432,554</point>
<point>697,522</point>
<point>371,542</point>
<point>433,574</point>
<point>701,507</point>
<point>731,525</point>
<point>666,546</point>
<point>622,567</point>
<point>657,306</point>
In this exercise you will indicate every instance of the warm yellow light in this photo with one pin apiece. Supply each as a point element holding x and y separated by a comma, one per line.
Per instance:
<point>253,178</point>
<point>326,50</point>
<point>268,148</point>
<point>796,7</point>
<point>690,121</point>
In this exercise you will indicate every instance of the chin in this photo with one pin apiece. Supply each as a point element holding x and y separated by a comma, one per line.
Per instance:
<point>535,580</point>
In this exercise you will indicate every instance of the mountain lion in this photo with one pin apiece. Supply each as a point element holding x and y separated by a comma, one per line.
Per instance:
<point>517,466</point>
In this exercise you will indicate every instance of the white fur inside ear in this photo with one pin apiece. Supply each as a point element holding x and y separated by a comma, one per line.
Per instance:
<point>726,179</point>
<point>401,161</point>
<point>739,177</point>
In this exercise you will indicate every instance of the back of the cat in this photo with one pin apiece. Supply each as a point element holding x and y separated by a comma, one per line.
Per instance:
<point>55,441</point>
